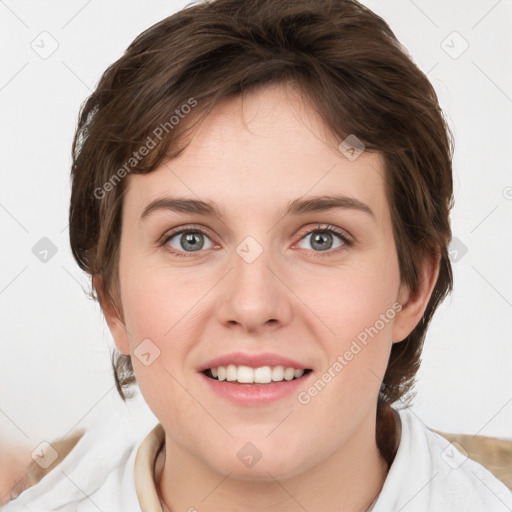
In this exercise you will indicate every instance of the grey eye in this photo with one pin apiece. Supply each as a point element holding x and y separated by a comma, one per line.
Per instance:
<point>323,240</point>
<point>189,241</point>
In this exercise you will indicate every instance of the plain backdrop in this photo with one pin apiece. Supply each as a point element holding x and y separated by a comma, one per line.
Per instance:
<point>54,362</point>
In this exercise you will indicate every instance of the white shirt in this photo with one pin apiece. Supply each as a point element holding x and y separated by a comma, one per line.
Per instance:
<point>111,469</point>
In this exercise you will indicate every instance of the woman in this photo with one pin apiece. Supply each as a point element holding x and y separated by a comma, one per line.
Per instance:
<point>261,196</point>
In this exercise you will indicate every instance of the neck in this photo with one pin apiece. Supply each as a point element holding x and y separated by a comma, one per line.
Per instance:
<point>348,480</point>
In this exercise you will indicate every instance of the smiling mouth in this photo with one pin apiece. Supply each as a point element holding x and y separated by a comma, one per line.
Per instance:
<point>261,375</point>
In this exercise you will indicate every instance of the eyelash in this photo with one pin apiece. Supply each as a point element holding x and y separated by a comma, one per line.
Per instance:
<point>324,228</point>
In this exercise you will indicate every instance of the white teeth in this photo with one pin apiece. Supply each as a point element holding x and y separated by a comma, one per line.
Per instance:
<point>261,375</point>
<point>231,372</point>
<point>277,373</point>
<point>289,373</point>
<point>245,374</point>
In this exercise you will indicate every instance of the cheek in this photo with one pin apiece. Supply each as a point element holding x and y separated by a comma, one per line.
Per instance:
<point>351,299</point>
<point>357,306</point>
<point>157,299</point>
<point>162,305</point>
<point>159,317</point>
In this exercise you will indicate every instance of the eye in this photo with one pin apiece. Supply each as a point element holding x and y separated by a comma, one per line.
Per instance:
<point>323,239</point>
<point>188,241</point>
<point>326,239</point>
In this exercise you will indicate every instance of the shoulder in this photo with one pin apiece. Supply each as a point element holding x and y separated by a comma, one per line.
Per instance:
<point>43,462</point>
<point>94,468</point>
<point>430,473</point>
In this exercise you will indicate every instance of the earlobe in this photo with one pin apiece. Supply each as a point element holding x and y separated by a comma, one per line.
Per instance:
<point>415,303</point>
<point>113,317</point>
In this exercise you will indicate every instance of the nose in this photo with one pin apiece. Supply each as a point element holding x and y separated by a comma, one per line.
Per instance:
<point>254,295</point>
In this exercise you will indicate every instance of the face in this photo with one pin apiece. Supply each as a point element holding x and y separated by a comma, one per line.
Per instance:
<point>234,263</point>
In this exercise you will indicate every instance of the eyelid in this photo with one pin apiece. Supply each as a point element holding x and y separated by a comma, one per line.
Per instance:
<point>180,230</point>
<point>166,237</point>
<point>343,234</point>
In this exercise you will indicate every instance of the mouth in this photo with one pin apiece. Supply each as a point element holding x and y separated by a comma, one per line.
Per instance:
<point>263,375</point>
<point>255,379</point>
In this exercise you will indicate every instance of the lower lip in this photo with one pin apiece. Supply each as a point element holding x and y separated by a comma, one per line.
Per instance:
<point>256,394</point>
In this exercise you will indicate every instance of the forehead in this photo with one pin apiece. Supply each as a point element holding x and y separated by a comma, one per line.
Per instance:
<point>259,151</point>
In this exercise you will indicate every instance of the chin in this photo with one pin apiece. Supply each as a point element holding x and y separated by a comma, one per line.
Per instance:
<point>245,461</point>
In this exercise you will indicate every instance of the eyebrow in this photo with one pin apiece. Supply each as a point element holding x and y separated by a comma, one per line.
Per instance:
<point>296,207</point>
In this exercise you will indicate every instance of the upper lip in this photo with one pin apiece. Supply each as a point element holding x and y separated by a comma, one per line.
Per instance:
<point>253,361</point>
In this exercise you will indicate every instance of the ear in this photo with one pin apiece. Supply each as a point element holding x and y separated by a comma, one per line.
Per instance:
<point>113,316</point>
<point>415,303</point>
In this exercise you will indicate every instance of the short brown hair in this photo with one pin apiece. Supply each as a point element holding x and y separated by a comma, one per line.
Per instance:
<point>346,62</point>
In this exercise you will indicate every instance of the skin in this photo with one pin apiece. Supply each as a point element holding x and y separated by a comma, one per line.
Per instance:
<point>296,300</point>
<point>14,461</point>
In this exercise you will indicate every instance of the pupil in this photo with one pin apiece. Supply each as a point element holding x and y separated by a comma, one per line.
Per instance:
<point>192,240</point>
<point>322,238</point>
